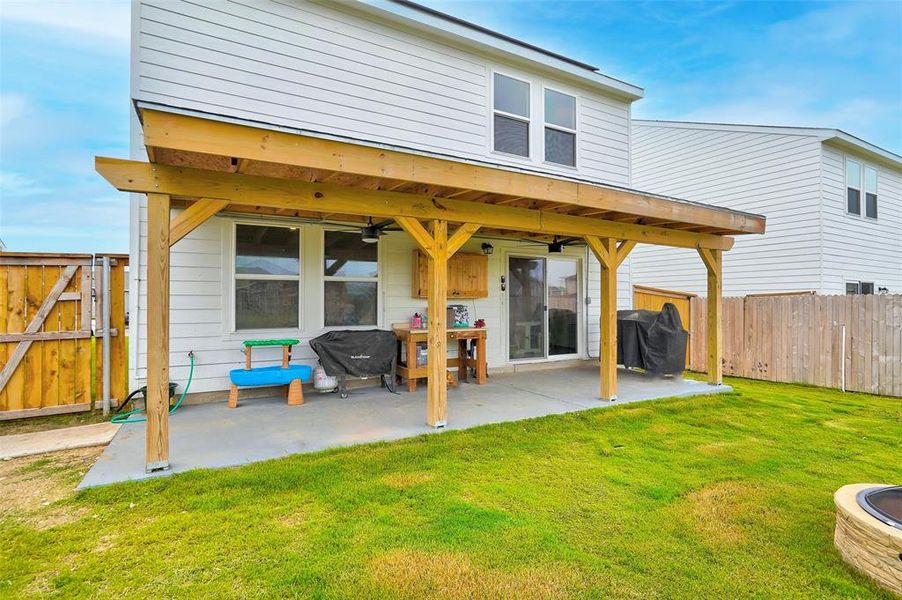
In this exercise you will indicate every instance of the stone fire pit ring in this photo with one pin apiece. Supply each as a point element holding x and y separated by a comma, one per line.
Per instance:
<point>868,543</point>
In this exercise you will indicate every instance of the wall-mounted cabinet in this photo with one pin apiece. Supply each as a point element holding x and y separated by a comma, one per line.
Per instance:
<point>468,275</point>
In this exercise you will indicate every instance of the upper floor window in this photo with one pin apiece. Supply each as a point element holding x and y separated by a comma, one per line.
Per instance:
<point>560,128</point>
<point>351,280</point>
<point>267,277</point>
<point>861,178</point>
<point>870,192</point>
<point>853,187</point>
<point>511,115</point>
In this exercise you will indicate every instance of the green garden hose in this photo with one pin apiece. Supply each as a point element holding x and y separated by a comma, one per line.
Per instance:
<point>124,417</point>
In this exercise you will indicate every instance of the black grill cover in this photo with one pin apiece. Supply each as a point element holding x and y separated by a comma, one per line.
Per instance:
<point>650,340</point>
<point>357,353</point>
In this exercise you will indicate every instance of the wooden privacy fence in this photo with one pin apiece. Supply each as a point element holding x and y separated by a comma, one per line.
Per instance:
<point>48,322</point>
<point>846,342</point>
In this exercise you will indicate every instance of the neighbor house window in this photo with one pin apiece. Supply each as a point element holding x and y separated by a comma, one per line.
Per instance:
<point>511,115</point>
<point>560,128</point>
<point>351,280</point>
<point>853,187</point>
<point>870,192</point>
<point>267,277</point>
<point>859,287</point>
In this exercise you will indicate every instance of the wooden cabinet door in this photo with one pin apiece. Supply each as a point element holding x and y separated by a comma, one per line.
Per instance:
<point>467,276</point>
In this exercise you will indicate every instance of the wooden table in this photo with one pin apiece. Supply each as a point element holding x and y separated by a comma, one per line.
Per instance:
<point>407,353</point>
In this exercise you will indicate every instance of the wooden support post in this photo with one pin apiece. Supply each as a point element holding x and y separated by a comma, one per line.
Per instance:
<point>713,260</point>
<point>157,448</point>
<point>437,276</point>
<point>610,256</point>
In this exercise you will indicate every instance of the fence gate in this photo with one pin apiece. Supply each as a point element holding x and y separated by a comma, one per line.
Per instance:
<point>649,298</point>
<point>46,329</point>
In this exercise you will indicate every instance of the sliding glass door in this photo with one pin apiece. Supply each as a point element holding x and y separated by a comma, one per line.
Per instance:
<point>543,307</point>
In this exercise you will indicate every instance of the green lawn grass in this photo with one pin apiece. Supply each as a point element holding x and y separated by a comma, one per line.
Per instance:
<point>718,496</point>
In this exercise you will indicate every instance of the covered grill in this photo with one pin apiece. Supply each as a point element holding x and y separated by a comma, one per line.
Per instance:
<point>650,340</point>
<point>357,353</point>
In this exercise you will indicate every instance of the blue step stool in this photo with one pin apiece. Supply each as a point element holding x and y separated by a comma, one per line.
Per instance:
<point>285,374</point>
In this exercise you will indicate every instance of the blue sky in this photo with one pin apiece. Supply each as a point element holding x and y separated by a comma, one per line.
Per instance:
<point>64,85</point>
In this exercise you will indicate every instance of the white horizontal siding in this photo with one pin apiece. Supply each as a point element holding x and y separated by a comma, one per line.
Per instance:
<point>200,303</point>
<point>327,68</point>
<point>774,174</point>
<point>857,248</point>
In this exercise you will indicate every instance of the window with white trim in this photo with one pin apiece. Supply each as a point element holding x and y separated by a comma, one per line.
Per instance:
<point>853,186</point>
<point>510,119</point>
<point>870,192</point>
<point>267,277</point>
<point>560,128</point>
<point>350,280</point>
<point>859,287</point>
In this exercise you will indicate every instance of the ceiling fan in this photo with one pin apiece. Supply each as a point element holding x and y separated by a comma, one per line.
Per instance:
<point>556,245</point>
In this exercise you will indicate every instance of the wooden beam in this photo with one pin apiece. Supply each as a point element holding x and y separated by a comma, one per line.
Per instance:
<point>599,248</point>
<point>195,134</point>
<point>157,441</point>
<point>713,260</point>
<point>419,234</point>
<point>624,249</point>
<point>254,190</point>
<point>460,237</point>
<point>605,250</point>
<point>437,353</point>
<point>190,218</point>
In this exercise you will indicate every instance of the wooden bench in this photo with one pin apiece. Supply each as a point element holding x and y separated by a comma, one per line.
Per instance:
<point>285,374</point>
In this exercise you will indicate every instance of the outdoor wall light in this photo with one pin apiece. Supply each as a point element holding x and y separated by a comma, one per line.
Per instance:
<point>487,248</point>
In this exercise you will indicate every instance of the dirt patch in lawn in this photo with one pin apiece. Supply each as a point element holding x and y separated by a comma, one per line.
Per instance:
<point>33,486</point>
<point>716,510</point>
<point>403,481</point>
<point>420,574</point>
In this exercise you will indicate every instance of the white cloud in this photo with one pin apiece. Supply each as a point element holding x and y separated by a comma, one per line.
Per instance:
<point>95,22</point>
<point>12,106</point>
<point>14,184</point>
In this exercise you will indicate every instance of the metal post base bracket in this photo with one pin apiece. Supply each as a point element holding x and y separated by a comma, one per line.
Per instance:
<point>156,467</point>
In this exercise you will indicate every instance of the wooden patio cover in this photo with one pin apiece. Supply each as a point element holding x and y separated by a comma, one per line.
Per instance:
<point>207,166</point>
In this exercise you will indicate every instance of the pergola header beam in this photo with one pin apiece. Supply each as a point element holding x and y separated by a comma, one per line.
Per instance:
<point>195,134</point>
<point>252,190</point>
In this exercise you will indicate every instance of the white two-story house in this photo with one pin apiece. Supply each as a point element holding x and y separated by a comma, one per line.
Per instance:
<point>833,204</point>
<point>388,75</point>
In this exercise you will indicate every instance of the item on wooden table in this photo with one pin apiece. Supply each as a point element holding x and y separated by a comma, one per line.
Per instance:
<point>458,315</point>
<point>416,321</point>
<point>422,354</point>
<point>480,323</point>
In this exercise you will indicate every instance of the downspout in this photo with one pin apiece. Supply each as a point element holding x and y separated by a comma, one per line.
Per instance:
<point>106,336</point>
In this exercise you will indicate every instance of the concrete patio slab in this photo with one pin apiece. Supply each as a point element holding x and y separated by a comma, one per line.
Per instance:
<point>68,438</point>
<point>212,435</point>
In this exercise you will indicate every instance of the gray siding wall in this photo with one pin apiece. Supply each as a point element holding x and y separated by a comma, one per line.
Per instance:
<point>774,174</point>
<point>857,248</point>
<point>330,69</point>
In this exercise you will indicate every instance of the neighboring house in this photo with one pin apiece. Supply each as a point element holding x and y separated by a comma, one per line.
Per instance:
<point>393,75</point>
<point>833,204</point>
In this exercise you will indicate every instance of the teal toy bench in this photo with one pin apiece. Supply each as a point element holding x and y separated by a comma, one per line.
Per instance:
<point>286,374</point>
